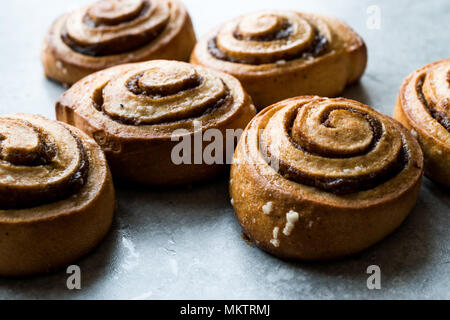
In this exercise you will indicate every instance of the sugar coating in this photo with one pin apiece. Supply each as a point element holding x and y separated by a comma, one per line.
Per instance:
<point>291,218</point>
<point>267,208</point>
<point>275,242</point>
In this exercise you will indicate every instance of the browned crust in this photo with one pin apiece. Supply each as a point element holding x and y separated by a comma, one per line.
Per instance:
<point>330,227</point>
<point>436,152</point>
<point>327,76</point>
<point>43,239</point>
<point>172,44</point>
<point>144,156</point>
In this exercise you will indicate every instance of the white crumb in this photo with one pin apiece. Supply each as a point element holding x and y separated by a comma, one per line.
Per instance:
<point>275,242</point>
<point>267,208</point>
<point>291,218</point>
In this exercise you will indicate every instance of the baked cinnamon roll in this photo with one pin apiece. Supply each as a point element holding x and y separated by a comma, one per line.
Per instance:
<point>154,119</point>
<point>316,178</point>
<point>56,195</point>
<point>424,107</point>
<point>281,54</point>
<point>113,32</point>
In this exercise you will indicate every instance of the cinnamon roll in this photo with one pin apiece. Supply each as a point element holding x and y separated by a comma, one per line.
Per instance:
<point>423,107</point>
<point>113,32</point>
<point>317,178</point>
<point>141,114</point>
<point>281,54</point>
<point>56,195</point>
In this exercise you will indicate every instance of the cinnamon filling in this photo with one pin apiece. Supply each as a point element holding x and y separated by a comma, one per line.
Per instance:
<point>285,32</point>
<point>337,185</point>
<point>24,198</point>
<point>225,100</point>
<point>44,154</point>
<point>438,115</point>
<point>319,47</point>
<point>344,185</point>
<point>118,45</point>
<point>162,91</point>
<point>313,149</point>
<point>96,23</point>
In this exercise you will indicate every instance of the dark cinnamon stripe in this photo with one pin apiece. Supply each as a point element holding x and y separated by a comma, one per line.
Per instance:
<point>189,84</point>
<point>222,102</point>
<point>118,45</point>
<point>438,115</point>
<point>284,33</point>
<point>318,48</point>
<point>142,12</point>
<point>312,148</point>
<point>44,154</point>
<point>342,185</point>
<point>25,199</point>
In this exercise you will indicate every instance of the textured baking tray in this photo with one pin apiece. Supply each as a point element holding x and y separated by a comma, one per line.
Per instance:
<point>185,243</point>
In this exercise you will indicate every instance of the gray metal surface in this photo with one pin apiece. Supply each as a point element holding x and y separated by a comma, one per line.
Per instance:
<point>186,243</point>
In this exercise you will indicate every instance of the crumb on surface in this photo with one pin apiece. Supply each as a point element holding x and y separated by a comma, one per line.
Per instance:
<point>267,208</point>
<point>275,241</point>
<point>291,218</point>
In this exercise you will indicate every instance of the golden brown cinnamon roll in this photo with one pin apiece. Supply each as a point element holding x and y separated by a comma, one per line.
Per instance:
<point>113,32</point>
<point>281,54</point>
<point>424,107</point>
<point>56,194</point>
<point>316,178</point>
<point>140,113</point>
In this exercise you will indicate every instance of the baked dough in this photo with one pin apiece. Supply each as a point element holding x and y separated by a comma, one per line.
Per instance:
<point>316,178</point>
<point>278,54</point>
<point>423,107</point>
<point>112,32</point>
<point>139,113</point>
<point>56,195</point>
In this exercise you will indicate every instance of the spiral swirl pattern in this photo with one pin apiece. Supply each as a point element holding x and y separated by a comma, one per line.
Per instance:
<point>112,32</point>
<point>338,146</point>
<point>278,54</point>
<point>433,91</point>
<point>137,112</point>
<point>270,36</point>
<point>115,26</point>
<point>317,178</point>
<point>424,107</point>
<point>161,93</point>
<point>41,162</point>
